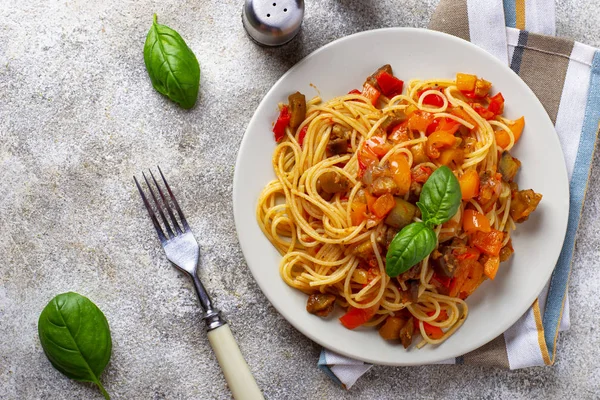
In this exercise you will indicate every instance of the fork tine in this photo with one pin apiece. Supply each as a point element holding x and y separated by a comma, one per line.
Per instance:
<point>181,216</point>
<point>159,208</point>
<point>169,210</point>
<point>159,231</point>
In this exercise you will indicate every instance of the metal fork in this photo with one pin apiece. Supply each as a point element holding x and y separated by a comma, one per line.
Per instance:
<point>183,251</point>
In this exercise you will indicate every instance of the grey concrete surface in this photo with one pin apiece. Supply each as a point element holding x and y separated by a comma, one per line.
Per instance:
<point>78,118</point>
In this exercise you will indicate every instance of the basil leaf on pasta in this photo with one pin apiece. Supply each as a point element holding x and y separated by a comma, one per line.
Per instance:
<point>411,245</point>
<point>440,197</point>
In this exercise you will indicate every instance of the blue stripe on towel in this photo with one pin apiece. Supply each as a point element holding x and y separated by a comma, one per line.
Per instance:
<point>510,13</point>
<point>560,276</point>
<point>322,364</point>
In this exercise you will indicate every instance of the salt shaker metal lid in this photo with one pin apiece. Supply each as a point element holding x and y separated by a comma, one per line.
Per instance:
<point>273,22</point>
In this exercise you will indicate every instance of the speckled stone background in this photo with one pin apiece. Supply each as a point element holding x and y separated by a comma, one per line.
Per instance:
<point>78,118</point>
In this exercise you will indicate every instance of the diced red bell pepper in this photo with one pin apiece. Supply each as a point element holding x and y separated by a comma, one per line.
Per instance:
<point>494,108</point>
<point>356,317</point>
<point>282,122</point>
<point>442,280</point>
<point>420,174</point>
<point>496,104</point>
<point>371,93</point>
<point>302,135</point>
<point>354,91</point>
<point>389,84</point>
<point>433,332</point>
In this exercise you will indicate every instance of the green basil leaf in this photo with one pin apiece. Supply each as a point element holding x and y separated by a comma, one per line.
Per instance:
<point>76,338</point>
<point>172,66</point>
<point>411,245</point>
<point>440,197</point>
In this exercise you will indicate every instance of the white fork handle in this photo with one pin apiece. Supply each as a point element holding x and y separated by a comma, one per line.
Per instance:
<point>236,371</point>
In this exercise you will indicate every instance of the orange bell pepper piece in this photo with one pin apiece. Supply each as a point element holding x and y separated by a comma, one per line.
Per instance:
<point>490,267</point>
<point>438,140</point>
<point>358,213</point>
<point>474,221</point>
<point>371,93</point>
<point>383,205</point>
<point>420,120</point>
<point>400,172</point>
<point>488,242</point>
<point>469,184</point>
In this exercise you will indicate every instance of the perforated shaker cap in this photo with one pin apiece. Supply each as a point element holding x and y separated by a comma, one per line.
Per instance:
<point>273,22</point>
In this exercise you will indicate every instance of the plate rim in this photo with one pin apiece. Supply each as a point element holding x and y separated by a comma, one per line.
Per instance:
<point>236,189</point>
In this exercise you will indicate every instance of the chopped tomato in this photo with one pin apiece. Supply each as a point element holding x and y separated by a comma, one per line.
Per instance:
<point>488,242</point>
<point>490,267</point>
<point>354,91</point>
<point>378,145</point>
<point>355,317</point>
<point>400,133</point>
<point>389,84</point>
<point>302,135</point>
<point>365,158</point>
<point>466,82</point>
<point>383,205</point>
<point>358,213</point>
<point>371,93</point>
<point>282,122</point>
<point>420,120</point>
<point>438,140</point>
<point>400,172</point>
<point>474,221</point>
<point>469,184</point>
<point>420,174</point>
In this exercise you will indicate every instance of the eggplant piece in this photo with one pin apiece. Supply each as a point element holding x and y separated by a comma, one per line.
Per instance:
<point>419,155</point>
<point>383,185</point>
<point>395,118</point>
<point>402,214</point>
<point>320,304</point>
<point>332,182</point>
<point>508,166</point>
<point>446,263</point>
<point>337,146</point>
<point>372,80</point>
<point>523,203</point>
<point>340,132</point>
<point>297,103</point>
<point>406,332</point>
<point>413,289</point>
<point>506,251</point>
<point>364,250</point>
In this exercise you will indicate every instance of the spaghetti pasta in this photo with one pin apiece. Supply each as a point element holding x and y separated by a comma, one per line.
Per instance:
<point>347,179</point>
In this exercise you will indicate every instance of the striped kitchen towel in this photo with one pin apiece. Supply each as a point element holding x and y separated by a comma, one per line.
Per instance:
<point>565,76</point>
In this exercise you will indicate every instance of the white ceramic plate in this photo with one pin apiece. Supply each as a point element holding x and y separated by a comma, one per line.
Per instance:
<point>413,53</point>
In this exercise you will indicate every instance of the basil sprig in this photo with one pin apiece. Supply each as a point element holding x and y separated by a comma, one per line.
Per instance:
<point>75,337</point>
<point>439,201</point>
<point>171,64</point>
